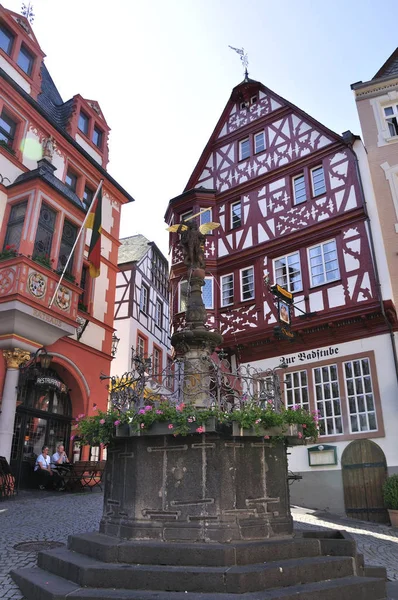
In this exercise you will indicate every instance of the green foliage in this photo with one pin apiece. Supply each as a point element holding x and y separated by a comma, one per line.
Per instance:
<point>98,429</point>
<point>390,492</point>
<point>43,259</point>
<point>181,418</point>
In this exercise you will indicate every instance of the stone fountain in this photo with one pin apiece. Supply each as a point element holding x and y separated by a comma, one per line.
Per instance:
<point>202,516</point>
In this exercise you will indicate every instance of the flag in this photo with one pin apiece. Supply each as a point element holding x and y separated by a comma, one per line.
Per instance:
<point>94,222</point>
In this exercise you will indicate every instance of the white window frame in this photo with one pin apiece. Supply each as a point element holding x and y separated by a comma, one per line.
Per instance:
<point>142,294</point>
<point>288,284</point>
<point>158,312</point>
<point>300,176</point>
<point>387,118</point>
<point>312,181</point>
<point>326,281</point>
<point>356,394</point>
<point>293,388</point>
<point>209,279</point>
<point>241,142</point>
<point>140,338</point>
<point>256,135</point>
<point>238,202</point>
<point>221,289</point>
<point>180,284</point>
<point>331,399</point>
<point>241,284</point>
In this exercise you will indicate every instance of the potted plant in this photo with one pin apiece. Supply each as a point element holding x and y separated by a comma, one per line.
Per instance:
<point>390,496</point>
<point>9,252</point>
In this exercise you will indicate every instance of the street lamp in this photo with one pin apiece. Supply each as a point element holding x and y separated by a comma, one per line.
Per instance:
<point>44,357</point>
<point>115,343</point>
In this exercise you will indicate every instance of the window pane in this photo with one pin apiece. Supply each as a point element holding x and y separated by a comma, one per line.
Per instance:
<point>6,39</point>
<point>45,231</point>
<point>299,189</point>
<point>288,272</point>
<point>259,142</point>
<point>247,284</point>
<point>69,234</point>
<point>71,180</point>
<point>227,289</point>
<point>360,406</point>
<point>318,181</point>
<point>244,149</point>
<point>388,111</point>
<point>236,215</point>
<point>15,225</point>
<point>25,60</point>
<point>97,137</point>
<point>83,123</point>
<point>207,293</point>
<point>330,409</point>
<point>7,129</point>
<point>296,386</point>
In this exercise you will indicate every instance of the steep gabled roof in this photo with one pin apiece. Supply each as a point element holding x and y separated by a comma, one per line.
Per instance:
<point>390,67</point>
<point>133,248</point>
<point>241,93</point>
<point>50,100</point>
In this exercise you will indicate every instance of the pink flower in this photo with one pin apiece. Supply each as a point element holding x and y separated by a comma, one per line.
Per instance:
<point>180,407</point>
<point>200,429</point>
<point>72,437</point>
<point>270,401</point>
<point>190,420</point>
<point>117,422</point>
<point>81,416</point>
<point>171,426</point>
<point>142,425</point>
<point>258,421</point>
<point>266,437</point>
<point>102,421</point>
<point>299,435</point>
<point>94,406</point>
<point>296,407</point>
<point>148,407</point>
<point>304,426</point>
<point>159,412</point>
<point>141,411</point>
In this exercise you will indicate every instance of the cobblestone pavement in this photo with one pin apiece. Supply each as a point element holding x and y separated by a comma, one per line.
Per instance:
<point>35,516</point>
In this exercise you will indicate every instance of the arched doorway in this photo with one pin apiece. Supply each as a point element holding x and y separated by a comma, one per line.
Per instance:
<point>43,416</point>
<point>364,472</point>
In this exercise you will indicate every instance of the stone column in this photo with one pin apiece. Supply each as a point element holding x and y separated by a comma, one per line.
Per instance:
<point>14,358</point>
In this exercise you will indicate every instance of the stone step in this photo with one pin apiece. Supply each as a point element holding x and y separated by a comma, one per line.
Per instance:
<point>36,584</point>
<point>88,572</point>
<point>107,549</point>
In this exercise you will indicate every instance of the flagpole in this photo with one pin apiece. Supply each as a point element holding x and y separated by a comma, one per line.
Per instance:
<point>76,240</point>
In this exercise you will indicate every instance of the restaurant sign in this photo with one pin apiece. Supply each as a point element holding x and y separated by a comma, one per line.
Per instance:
<point>52,383</point>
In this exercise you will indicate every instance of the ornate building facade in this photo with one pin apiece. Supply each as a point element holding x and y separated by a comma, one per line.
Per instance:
<point>290,199</point>
<point>53,155</point>
<point>142,306</point>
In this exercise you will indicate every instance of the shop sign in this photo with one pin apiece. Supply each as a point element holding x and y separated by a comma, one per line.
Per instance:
<point>311,355</point>
<point>51,382</point>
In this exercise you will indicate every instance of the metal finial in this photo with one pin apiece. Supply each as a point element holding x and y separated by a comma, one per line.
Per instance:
<point>27,12</point>
<point>244,58</point>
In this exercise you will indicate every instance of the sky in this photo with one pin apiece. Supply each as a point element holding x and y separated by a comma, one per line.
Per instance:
<point>162,73</point>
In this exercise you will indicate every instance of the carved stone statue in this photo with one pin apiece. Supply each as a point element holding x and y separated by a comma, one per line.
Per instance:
<point>48,148</point>
<point>192,243</point>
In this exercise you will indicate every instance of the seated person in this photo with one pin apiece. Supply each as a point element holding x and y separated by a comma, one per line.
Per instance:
<point>47,478</point>
<point>59,457</point>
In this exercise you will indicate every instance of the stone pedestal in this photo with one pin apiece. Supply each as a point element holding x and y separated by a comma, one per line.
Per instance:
<point>197,488</point>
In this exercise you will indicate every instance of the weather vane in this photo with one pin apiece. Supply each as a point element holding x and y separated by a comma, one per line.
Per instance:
<point>27,12</point>
<point>244,58</point>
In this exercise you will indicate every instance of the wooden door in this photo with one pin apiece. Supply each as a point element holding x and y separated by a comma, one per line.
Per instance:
<point>364,472</point>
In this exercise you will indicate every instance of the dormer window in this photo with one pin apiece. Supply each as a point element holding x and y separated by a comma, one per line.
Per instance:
<point>6,39</point>
<point>83,122</point>
<point>25,60</point>
<point>97,137</point>
<point>71,180</point>
<point>391,114</point>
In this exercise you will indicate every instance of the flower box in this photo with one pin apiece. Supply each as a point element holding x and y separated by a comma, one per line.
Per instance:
<point>163,428</point>
<point>261,431</point>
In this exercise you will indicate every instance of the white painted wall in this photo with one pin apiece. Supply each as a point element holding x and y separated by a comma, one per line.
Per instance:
<point>388,388</point>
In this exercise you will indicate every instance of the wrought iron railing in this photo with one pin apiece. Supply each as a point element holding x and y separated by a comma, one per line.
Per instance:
<point>222,385</point>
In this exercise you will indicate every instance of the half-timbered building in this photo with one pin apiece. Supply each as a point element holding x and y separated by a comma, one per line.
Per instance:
<point>142,306</point>
<point>290,200</point>
<point>53,155</point>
